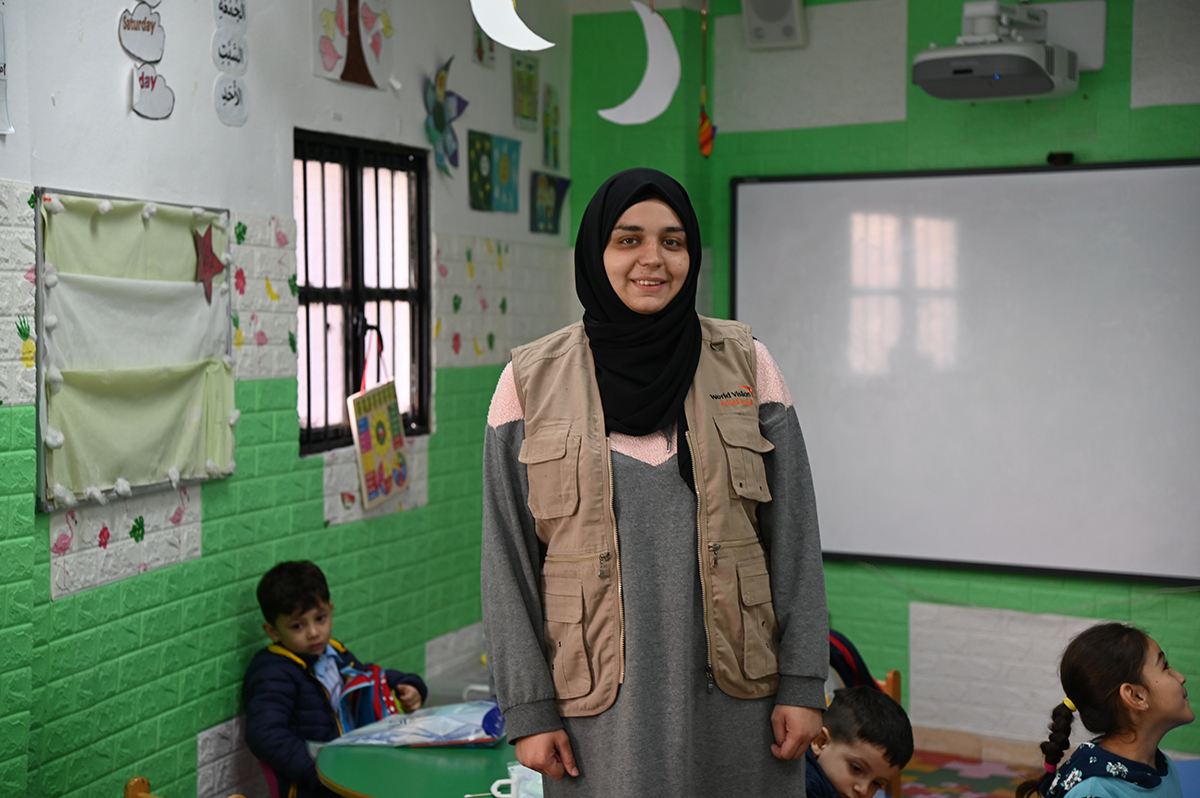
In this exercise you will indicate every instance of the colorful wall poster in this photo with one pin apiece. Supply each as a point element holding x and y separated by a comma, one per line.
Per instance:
<point>479,161</point>
<point>550,120</point>
<point>546,194</point>
<point>382,465</point>
<point>483,51</point>
<point>351,42</point>
<point>494,167</point>
<point>525,91</point>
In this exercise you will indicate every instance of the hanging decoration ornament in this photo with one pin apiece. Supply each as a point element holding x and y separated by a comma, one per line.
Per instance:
<point>660,79</point>
<point>707,131</point>
<point>443,107</point>
<point>499,20</point>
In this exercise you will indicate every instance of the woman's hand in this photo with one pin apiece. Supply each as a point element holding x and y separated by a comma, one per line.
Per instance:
<point>410,697</point>
<point>795,728</point>
<point>549,753</point>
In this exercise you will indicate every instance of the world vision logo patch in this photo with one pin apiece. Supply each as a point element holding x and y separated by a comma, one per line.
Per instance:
<point>742,396</point>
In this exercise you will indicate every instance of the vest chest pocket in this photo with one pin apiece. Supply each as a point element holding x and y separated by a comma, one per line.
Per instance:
<point>551,458</point>
<point>744,446</point>
<point>761,631</point>
<point>565,651</point>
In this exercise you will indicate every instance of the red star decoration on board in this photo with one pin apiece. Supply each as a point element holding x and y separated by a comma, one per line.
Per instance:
<point>208,265</point>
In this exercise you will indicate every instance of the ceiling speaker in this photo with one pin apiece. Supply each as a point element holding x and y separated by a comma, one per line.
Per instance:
<point>774,23</point>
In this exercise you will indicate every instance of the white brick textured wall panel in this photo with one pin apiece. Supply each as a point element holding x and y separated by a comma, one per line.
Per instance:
<point>14,205</point>
<point>449,652</point>
<point>342,502</point>
<point>509,291</point>
<point>16,295</point>
<point>17,384</point>
<point>17,381</point>
<point>83,555</point>
<point>984,671</point>
<point>265,304</point>
<point>224,766</point>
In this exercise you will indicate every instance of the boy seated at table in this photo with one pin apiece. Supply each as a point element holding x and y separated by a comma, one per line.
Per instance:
<point>293,689</point>
<point>865,741</point>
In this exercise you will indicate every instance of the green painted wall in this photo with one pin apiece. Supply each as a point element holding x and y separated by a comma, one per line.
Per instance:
<point>17,477</point>
<point>118,680</point>
<point>871,604</point>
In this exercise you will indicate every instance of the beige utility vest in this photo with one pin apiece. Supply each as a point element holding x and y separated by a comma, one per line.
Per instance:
<point>569,462</point>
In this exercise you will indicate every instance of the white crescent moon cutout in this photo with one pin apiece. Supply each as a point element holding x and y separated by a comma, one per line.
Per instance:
<point>661,78</point>
<point>499,20</point>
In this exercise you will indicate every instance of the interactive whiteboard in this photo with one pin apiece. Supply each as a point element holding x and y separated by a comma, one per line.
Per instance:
<point>992,367</point>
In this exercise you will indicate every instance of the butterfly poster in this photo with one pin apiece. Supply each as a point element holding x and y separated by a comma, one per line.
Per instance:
<point>378,443</point>
<point>352,41</point>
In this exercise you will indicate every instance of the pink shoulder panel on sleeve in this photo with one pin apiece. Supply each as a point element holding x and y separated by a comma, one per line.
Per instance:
<point>771,385</point>
<point>505,405</point>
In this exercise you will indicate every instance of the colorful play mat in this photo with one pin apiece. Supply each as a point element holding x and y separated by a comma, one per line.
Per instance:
<point>942,776</point>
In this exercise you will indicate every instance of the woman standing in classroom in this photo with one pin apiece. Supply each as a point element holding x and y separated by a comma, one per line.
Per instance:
<point>653,596</point>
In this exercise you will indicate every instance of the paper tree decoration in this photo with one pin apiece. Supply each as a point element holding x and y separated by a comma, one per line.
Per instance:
<point>350,39</point>
<point>443,107</point>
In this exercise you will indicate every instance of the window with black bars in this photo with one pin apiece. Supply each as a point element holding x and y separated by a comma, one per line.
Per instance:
<point>362,266</point>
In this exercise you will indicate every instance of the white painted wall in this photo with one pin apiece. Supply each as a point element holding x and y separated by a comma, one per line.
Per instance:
<point>69,93</point>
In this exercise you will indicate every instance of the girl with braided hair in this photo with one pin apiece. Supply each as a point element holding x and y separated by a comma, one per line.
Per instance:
<point>1119,681</point>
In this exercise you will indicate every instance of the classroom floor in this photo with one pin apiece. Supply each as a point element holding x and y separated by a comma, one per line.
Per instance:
<point>942,776</point>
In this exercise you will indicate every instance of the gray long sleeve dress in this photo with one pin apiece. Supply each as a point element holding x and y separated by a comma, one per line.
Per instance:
<point>665,735</point>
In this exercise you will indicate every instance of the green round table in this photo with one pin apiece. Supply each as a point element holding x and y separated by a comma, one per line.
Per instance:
<point>375,771</point>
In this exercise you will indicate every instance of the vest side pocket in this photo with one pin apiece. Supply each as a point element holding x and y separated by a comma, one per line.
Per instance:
<point>759,627</point>
<point>565,651</point>
<point>551,458</point>
<point>744,446</point>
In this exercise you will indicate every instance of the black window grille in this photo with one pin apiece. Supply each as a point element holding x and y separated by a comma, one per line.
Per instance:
<point>362,267</point>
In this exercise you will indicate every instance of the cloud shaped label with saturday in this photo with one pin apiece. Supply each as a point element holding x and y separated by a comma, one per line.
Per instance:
<point>152,97</point>
<point>141,34</point>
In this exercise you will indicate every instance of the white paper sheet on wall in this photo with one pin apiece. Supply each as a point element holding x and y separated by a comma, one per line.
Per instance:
<point>5,124</point>
<point>1166,59</point>
<point>853,71</point>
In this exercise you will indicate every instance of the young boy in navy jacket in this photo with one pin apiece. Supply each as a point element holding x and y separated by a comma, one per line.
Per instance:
<point>865,742</point>
<point>292,688</point>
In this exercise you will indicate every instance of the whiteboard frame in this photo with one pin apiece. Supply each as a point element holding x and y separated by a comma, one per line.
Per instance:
<point>736,183</point>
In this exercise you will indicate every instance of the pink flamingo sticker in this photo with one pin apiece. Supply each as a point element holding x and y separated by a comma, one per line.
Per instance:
<point>177,517</point>
<point>280,237</point>
<point>260,337</point>
<point>63,542</point>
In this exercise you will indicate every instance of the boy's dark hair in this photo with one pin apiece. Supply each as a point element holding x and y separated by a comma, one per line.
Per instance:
<point>290,587</point>
<point>867,714</point>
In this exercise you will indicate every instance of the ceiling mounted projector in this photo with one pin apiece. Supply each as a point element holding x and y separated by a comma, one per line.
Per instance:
<point>1002,54</point>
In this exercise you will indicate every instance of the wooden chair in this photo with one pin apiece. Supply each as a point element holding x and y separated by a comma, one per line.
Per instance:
<point>890,685</point>
<point>138,787</point>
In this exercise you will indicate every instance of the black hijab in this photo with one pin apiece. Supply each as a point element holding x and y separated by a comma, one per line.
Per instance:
<point>644,362</point>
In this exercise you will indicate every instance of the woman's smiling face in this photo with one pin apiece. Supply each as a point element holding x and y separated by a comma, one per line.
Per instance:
<point>646,258</point>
